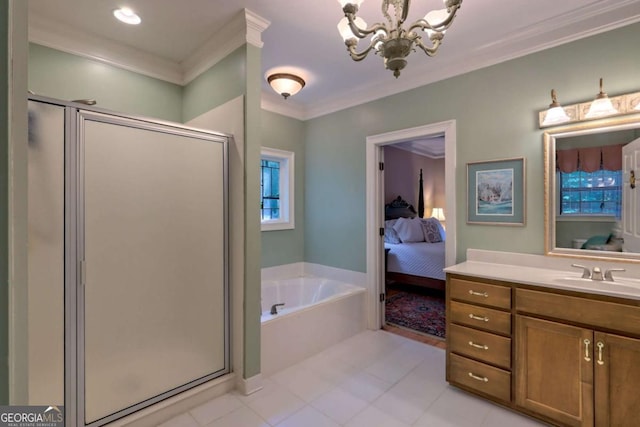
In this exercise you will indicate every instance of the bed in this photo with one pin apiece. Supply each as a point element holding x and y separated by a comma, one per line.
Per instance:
<point>416,247</point>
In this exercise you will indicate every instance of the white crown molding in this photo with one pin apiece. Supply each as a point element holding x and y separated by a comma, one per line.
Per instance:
<point>256,24</point>
<point>245,27</point>
<point>273,103</point>
<point>61,37</point>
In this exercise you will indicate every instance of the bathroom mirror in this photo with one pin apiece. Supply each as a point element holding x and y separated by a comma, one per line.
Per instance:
<point>592,205</point>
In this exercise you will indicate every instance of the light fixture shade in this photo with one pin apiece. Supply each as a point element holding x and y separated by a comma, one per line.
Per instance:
<point>637,106</point>
<point>286,84</point>
<point>127,16</point>
<point>601,106</point>
<point>555,115</point>
<point>438,214</point>
<point>345,30</point>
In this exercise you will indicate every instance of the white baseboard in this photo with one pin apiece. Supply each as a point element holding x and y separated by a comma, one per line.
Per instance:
<point>179,404</point>
<point>248,386</point>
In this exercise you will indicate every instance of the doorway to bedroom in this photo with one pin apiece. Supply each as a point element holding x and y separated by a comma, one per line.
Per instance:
<point>405,266</point>
<point>415,237</point>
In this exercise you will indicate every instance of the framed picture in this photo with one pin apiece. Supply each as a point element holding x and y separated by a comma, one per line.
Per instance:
<point>496,192</point>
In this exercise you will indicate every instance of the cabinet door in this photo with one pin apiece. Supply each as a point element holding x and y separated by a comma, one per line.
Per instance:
<point>554,370</point>
<point>617,375</point>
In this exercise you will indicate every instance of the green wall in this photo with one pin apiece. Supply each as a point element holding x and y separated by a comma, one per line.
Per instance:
<point>61,75</point>
<point>286,246</point>
<point>205,92</point>
<point>4,204</point>
<point>495,109</point>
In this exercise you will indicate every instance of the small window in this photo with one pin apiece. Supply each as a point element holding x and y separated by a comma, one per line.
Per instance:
<point>596,193</point>
<point>276,189</point>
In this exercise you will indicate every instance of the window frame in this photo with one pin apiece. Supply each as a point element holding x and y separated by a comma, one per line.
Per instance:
<point>287,189</point>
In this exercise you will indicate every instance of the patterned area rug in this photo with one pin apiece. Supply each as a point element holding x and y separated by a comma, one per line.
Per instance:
<point>422,313</point>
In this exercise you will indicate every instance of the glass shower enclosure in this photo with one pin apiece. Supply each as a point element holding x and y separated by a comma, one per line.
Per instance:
<point>128,220</point>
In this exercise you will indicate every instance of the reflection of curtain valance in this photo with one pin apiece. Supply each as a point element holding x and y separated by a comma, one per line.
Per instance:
<point>590,159</point>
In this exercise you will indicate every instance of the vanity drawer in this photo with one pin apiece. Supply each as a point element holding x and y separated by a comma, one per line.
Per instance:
<point>478,376</point>
<point>481,317</point>
<point>595,313</point>
<point>480,345</point>
<point>480,293</point>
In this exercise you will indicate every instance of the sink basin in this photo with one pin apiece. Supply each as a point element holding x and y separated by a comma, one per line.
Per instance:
<point>620,285</point>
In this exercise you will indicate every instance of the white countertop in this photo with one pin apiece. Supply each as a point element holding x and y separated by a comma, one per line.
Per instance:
<point>549,272</point>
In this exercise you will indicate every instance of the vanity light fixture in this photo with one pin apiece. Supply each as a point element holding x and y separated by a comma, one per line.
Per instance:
<point>285,84</point>
<point>126,15</point>
<point>391,40</point>
<point>637,106</point>
<point>601,106</point>
<point>556,114</point>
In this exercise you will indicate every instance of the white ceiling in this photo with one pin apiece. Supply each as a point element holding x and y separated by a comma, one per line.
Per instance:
<point>302,34</point>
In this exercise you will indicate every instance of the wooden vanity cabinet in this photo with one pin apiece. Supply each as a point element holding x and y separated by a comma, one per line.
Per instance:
<point>479,337</point>
<point>577,375</point>
<point>571,359</point>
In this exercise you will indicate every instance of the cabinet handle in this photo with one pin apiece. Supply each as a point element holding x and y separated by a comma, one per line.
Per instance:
<point>480,318</point>
<point>479,294</point>
<point>479,378</point>
<point>586,350</point>
<point>480,346</point>
<point>600,346</point>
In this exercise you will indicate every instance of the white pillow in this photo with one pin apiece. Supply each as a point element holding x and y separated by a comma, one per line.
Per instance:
<point>390,235</point>
<point>409,230</point>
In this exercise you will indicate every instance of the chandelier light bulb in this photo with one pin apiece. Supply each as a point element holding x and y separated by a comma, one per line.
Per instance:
<point>345,29</point>
<point>436,18</point>
<point>343,3</point>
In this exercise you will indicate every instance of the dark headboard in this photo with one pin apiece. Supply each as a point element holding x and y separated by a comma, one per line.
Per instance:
<point>399,208</point>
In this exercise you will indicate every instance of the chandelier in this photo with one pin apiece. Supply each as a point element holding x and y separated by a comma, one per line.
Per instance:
<point>391,41</point>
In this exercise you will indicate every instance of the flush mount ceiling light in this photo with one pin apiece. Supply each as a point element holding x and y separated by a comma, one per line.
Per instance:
<point>601,106</point>
<point>126,15</point>
<point>390,40</point>
<point>285,84</point>
<point>556,113</point>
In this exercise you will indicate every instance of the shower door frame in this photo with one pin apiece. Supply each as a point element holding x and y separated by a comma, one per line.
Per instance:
<point>74,375</point>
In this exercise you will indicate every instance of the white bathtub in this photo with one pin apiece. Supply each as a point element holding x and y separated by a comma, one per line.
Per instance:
<point>318,313</point>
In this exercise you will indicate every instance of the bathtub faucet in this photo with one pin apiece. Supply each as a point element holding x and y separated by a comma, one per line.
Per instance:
<point>274,308</point>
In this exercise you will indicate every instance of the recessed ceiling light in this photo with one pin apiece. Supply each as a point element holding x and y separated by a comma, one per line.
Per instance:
<point>127,16</point>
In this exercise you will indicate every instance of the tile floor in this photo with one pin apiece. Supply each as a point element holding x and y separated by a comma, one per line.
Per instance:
<point>374,379</point>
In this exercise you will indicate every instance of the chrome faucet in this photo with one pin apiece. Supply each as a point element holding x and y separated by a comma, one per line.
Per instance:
<point>596,274</point>
<point>274,308</point>
<point>586,274</point>
<point>608,276</point>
